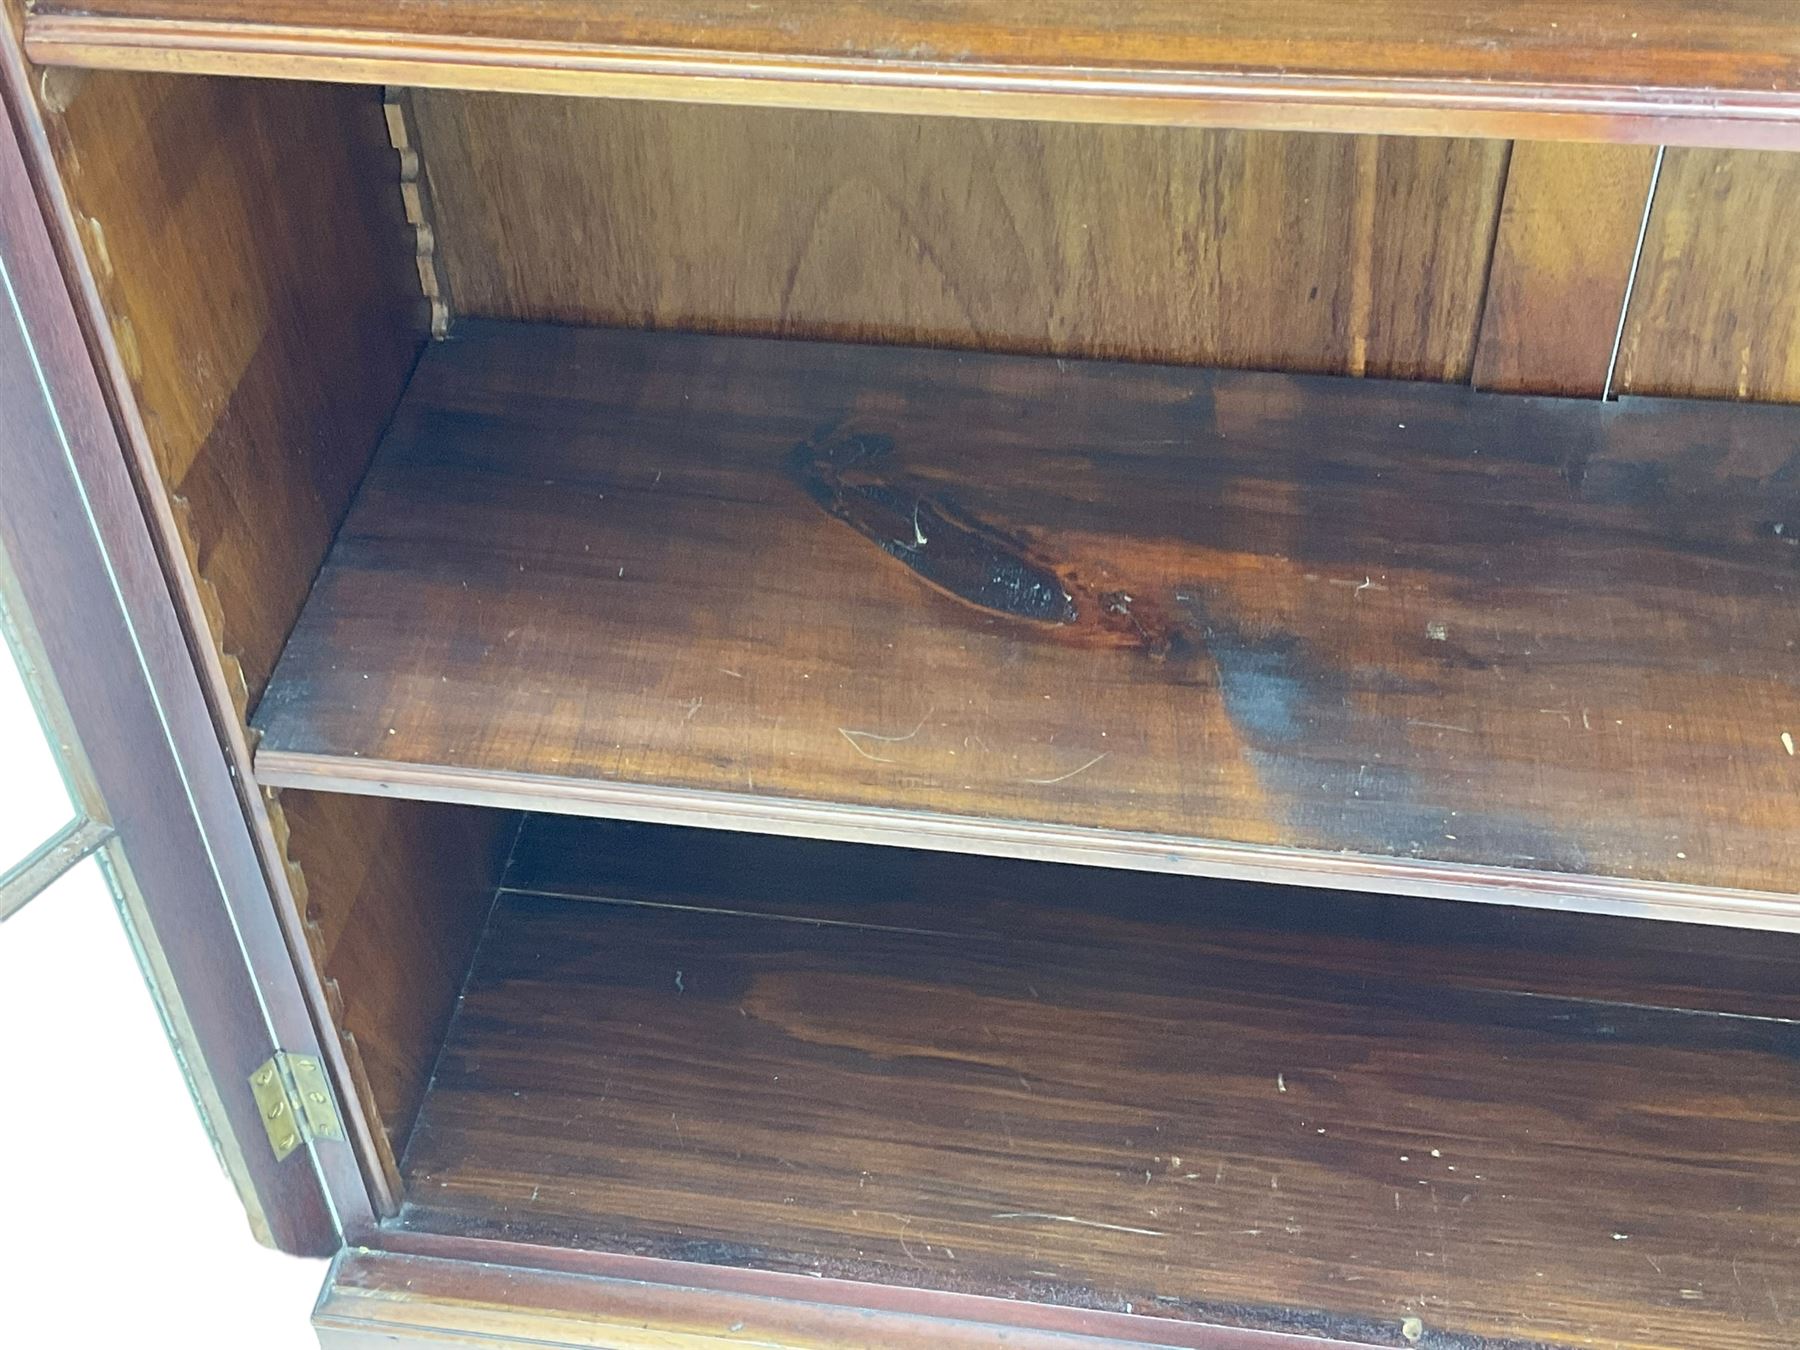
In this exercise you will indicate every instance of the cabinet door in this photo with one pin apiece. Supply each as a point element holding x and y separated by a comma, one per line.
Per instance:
<point>88,605</point>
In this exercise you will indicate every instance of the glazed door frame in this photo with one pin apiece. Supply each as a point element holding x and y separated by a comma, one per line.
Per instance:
<point>89,604</point>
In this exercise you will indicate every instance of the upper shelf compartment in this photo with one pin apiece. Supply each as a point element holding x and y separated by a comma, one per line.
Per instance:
<point>1725,73</point>
<point>1318,630</point>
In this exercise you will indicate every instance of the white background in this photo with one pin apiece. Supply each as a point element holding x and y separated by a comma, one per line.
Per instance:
<point>117,1225</point>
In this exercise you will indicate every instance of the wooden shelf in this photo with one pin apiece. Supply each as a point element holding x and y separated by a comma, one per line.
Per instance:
<point>1661,71</point>
<point>1204,1103</point>
<point>1339,632</point>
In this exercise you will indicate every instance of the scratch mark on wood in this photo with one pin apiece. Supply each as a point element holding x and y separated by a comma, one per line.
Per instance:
<point>851,734</point>
<point>1064,777</point>
<point>892,740</point>
<point>1078,1222</point>
<point>848,736</point>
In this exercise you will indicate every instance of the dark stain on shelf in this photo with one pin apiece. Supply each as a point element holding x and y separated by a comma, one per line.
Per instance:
<point>856,477</point>
<point>851,475</point>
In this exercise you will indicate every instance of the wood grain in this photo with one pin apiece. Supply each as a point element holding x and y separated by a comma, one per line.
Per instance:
<point>1662,71</point>
<point>395,897</point>
<point>1066,1091</point>
<point>1716,309</point>
<point>1498,947</point>
<point>1328,253</point>
<point>1561,270</point>
<point>247,241</point>
<point>524,1298</point>
<point>1389,620</point>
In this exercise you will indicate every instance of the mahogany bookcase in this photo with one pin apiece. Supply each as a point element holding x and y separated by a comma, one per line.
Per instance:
<point>956,674</point>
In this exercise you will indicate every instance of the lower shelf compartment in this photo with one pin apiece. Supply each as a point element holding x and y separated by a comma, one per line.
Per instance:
<point>1192,1100</point>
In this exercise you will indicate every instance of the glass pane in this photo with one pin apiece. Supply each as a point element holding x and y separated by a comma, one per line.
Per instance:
<point>34,799</point>
<point>72,997</point>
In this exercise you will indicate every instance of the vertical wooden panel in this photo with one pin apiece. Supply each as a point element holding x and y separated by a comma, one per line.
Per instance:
<point>1300,252</point>
<point>246,240</point>
<point>1716,308</point>
<point>1569,228</point>
<point>396,895</point>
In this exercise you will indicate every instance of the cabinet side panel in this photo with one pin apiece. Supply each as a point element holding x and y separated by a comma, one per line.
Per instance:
<point>1716,308</point>
<point>1305,252</point>
<point>395,895</point>
<point>257,284</point>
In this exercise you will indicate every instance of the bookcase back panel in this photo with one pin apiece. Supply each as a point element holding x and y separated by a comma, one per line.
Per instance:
<point>1715,311</point>
<point>1419,258</point>
<point>1347,254</point>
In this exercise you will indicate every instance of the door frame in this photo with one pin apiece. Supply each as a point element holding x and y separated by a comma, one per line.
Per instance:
<point>91,608</point>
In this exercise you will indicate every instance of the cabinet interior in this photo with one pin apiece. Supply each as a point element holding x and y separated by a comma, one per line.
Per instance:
<point>1260,549</point>
<point>1223,1103</point>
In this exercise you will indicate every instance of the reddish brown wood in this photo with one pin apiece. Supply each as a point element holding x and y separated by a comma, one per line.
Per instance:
<point>1074,1088</point>
<point>1562,266</point>
<point>396,895</point>
<point>1334,254</point>
<point>1660,70</point>
<point>374,1299</point>
<point>798,585</point>
<point>1499,947</point>
<point>1715,312</point>
<point>245,243</point>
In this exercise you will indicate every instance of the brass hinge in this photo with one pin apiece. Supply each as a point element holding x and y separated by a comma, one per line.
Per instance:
<point>294,1101</point>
